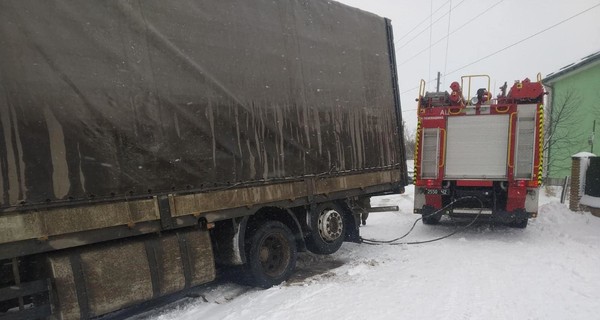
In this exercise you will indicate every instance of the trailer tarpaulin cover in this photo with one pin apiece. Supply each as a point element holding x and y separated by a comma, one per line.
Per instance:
<point>114,98</point>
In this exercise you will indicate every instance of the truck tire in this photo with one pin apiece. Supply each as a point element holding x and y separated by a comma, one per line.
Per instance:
<point>428,217</point>
<point>271,255</point>
<point>327,229</point>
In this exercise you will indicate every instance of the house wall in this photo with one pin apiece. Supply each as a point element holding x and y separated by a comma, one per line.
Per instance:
<point>584,84</point>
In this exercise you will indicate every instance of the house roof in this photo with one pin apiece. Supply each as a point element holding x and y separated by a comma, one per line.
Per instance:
<point>573,67</point>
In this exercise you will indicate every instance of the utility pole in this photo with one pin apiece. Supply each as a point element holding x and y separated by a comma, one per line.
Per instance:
<point>437,88</point>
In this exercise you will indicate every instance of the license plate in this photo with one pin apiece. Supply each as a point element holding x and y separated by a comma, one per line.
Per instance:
<point>444,192</point>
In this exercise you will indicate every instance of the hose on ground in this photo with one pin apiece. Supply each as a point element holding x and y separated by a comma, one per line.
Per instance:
<point>457,230</point>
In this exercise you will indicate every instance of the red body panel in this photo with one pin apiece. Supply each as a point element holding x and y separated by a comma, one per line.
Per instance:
<point>474,183</point>
<point>516,198</point>
<point>526,90</point>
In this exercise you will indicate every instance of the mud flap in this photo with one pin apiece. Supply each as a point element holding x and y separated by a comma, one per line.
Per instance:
<point>352,223</point>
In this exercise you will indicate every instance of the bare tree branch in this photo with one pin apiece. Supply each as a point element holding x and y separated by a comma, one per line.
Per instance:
<point>409,142</point>
<point>560,117</point>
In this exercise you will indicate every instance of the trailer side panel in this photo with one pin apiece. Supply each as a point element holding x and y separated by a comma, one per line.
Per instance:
<point>113,99</point>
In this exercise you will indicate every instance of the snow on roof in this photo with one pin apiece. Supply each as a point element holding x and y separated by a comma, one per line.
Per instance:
<point>572,67</point>
<point>583,155</point>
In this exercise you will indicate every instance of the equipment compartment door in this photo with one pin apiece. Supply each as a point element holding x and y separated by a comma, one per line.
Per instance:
<point>430,154</point>
<point>526,138</point>
<point>477,147</point>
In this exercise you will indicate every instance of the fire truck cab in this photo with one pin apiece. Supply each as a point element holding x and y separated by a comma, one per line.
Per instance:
<point>479,150</point>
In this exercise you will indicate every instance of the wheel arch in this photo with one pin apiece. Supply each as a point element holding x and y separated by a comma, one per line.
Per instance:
<point>229,236</point>
<point>283,215</point>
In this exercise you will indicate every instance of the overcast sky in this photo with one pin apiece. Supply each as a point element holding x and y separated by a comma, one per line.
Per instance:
<point>480,28</point>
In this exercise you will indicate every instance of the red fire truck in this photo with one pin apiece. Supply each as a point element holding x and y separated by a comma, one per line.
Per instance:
<point>479,151</point>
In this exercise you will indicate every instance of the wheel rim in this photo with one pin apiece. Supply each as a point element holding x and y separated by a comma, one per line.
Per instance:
<point>330,225</point>
<point>274,255</point>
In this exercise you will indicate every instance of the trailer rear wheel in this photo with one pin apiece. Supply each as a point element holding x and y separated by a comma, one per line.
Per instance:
<point>427,213</point>
<point>327,229</point>
<point>271,255</point>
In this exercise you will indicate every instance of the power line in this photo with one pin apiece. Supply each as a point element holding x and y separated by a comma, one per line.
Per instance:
<point>525,39</point>
<point>430,35</point>
<point>447,41</point>
<point>420,23</point>
<point>481,14</point>
<point>512,45</point>
<point>413,88</point>
<point>422,31</point>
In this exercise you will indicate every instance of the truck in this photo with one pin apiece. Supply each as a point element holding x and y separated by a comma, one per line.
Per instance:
<point>479,156</point>
<point>144,145</point>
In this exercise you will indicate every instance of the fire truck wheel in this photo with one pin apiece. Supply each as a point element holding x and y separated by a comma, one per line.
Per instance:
<point>429,217</point>
<point>327,227</point>
<point>520,223</point>
<point>271,255</point>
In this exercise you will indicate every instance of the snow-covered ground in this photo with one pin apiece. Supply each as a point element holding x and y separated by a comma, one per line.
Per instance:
<point>551,270</point>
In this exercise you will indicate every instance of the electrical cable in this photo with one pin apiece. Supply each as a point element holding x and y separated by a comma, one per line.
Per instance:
<point>413,88</point>
<point>526,38</point>
<point>457,230</point>
<point>430,37</point>
<point>420,23</point>
<point>481,14</point>
<point>447,41</point>
<point>509,46</point>
<point>431,24</point>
